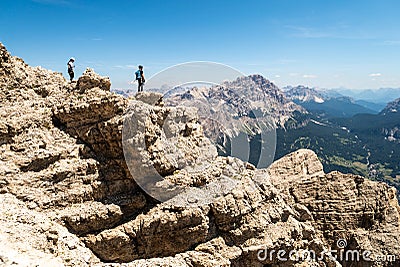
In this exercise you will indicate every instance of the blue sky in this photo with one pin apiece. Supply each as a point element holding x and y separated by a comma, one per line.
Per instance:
<point>328,44</point>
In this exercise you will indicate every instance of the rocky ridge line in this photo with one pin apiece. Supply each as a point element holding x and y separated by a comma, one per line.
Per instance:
<point>65,187</point>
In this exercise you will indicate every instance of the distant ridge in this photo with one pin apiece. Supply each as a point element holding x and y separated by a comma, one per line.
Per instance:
<point>325,103</point>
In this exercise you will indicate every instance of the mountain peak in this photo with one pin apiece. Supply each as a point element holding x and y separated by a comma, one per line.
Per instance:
<point>259,80</point>
<point>73,160</point>
<point>253,92</point>
<point>4,54</point>
<point>304,94</point>
<point>391,107</point>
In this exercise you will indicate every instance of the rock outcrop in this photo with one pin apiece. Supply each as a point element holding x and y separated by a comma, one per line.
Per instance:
<point>343,206</point>
<point>90,79</point>
<point>392,107</point>
<point>248,98</point>
<point>68,197</point>
<point>305,94</point>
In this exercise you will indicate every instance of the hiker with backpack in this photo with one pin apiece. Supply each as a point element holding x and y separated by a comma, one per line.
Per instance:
<point>140,78</point>
<point>71,67</point>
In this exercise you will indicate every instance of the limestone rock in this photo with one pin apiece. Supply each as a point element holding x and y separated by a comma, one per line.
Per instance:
<point>51,171</point>
<point>157,142</point>
<point>68,197</point>
<point>342,206</point>
<point>15,75</point>
<point>30,238</point>
<point>161,232</point>
<point>95,118</point>
<point>151,98</point>
<point>92,107</point>
<point>88,217</point>
<point>90,79</point>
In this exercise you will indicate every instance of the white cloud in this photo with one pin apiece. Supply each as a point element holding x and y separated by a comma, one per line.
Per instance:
<point>125,67</point>
<point>375,74</point>
<point>309,76</point>
<point>391,42</point>
<point>293,74</point>
<point>306,32</point>
<point>277,76</point>
<point>338,31</point>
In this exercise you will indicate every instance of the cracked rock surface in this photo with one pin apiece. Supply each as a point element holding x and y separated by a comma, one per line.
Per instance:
<point>68,197</point>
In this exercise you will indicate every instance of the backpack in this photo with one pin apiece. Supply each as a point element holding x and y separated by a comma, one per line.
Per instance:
<point>138,75</point>
<point>70,66</point>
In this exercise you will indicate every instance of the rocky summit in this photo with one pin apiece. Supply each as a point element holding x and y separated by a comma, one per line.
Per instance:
<point>248,98</point>
<point>70,194</point>
<point>392,107</point>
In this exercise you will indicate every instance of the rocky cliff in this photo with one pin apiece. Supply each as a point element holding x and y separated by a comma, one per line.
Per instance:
<point>391,113</point>
<point>247,97</point>
<point>242,113</point>
<point>68,197</point>
<point>391,107</point>
<point>305,94</point>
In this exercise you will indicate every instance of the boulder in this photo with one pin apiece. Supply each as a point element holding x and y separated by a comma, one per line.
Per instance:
<point>90,79</point>
<point>71,163</point>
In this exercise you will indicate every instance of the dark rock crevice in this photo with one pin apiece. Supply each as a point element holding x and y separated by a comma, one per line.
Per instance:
<point>78,192</point>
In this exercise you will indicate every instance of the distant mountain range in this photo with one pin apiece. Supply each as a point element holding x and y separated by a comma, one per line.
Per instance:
<point>327,104</point>
<point>348,135</point>
<point>246,97</point>
<point>353,136</point>
<point>372,100</point>
<point>382,95</point>
<point>392,107</point>
<point>348,101</point>
<point>125,92</point>
<point>345,133</point>
<point>245,108</point>
<point>376,107</point>
<point>303,94</point>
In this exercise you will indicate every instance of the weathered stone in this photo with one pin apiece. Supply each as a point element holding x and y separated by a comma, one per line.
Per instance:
<point>91,217</point>
<point>90,79</point>
<point>65,186</point>
<point>341,205</point>
<point>161,232</point>
<point>30,238</point>
<point>151,98</point>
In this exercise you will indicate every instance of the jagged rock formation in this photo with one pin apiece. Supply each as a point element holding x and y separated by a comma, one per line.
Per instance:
<point>260,91</point>
<point>68,197</point>
<point>391,107</point>
<point>90,79</point>
<point>342,205</point>
<point>247,97</point>
<point>304,94</point>
<point>390,112</point>
<point>325,105</point>
<point>241,113</point>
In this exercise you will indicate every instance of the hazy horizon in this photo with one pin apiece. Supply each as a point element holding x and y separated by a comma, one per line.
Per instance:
<point>340,44</point>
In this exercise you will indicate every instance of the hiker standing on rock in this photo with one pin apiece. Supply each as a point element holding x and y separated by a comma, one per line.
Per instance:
<point>71,67</point>
<point>140,78</point>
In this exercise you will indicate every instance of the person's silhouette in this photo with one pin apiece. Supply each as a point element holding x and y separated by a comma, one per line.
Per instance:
<point>140,78</point>
<point>71,67</point>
